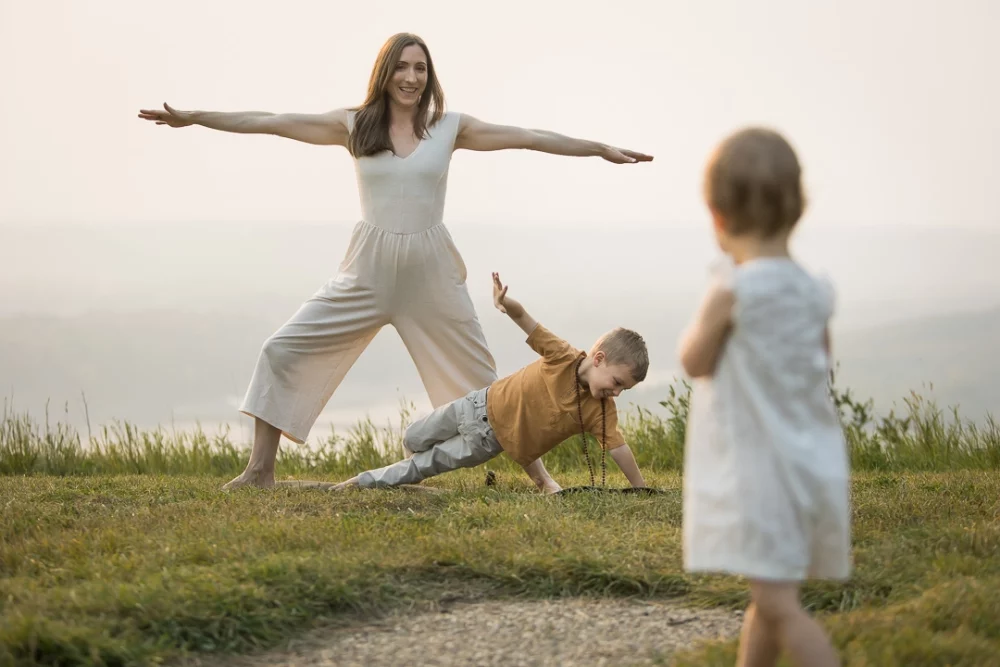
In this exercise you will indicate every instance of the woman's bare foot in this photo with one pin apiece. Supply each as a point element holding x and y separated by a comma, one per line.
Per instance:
<point>258,478</point>
<point>260,469</point>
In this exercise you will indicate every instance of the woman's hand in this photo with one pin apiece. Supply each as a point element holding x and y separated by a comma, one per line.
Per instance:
<point>169,116</point>
<point>622,156</point>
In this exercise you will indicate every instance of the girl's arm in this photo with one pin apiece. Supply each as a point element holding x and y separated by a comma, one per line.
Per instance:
<point>701,346</point>
<point>476,135</point>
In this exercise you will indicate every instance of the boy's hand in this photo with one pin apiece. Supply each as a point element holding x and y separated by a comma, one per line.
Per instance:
<point>552,487</point>
<point>499,292</point>
<point>540,476</point>
<point>500,300</point>
<point>510,307</point>
<point>626,461</point>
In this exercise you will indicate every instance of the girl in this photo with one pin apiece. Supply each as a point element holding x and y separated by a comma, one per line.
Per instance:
<point>766,472</point>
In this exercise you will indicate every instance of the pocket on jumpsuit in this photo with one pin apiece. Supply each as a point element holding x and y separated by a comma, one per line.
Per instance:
<point>450,297</point>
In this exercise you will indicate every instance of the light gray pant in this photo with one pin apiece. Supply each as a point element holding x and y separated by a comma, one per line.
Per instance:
<point>456,435</point>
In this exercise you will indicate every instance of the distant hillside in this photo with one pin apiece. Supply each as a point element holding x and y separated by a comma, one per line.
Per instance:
<point>159,366</point>
<point>165,323</point>
<point>955,354</point>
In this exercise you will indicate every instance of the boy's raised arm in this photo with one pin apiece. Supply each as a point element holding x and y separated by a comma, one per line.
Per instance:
<point>513,309</point>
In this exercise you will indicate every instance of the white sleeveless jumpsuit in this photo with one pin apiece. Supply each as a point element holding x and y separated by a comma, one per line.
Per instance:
<point>401,268</point>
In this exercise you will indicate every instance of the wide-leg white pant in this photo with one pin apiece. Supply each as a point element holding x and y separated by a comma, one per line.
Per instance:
<point>414,282</point>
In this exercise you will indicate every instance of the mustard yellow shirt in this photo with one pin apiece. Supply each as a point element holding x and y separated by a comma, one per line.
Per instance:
<point>533,410</point>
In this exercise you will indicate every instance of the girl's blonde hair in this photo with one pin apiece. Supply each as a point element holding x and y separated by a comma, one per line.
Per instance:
<point>754,183</point>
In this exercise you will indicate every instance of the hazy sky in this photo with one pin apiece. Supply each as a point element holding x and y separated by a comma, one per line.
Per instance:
<point>892,104</point>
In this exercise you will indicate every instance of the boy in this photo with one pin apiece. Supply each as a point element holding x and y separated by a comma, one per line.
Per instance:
<point>527,413</point>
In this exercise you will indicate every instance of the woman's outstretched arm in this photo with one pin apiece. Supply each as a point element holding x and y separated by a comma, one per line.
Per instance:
<point>327,129</point>
<point>476,135</point>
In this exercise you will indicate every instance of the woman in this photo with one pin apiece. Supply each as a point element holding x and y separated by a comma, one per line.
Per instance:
<point>402,267</point>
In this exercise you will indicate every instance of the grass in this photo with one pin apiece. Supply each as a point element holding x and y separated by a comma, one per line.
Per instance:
<point>128,553</point>
<point>922,438</point>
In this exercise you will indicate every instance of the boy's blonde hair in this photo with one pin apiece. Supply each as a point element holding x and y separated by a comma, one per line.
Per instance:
<point>754,183</point>
<point>624,346</point>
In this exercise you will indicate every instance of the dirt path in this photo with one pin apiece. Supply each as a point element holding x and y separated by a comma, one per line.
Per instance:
<point>567,633</point>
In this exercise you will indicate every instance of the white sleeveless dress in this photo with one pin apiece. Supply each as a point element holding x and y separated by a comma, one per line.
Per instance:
<point>401,268</point>
<point>766,474</point>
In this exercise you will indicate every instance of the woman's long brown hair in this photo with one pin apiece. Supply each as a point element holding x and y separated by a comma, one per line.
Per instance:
<point>371,122</point>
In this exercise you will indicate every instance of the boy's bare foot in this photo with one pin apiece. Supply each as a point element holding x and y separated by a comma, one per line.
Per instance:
<point>419,489</point>
<point>352,482</point>
<point>305,484</point>
<point>413,488</point>
<point>251,478</point>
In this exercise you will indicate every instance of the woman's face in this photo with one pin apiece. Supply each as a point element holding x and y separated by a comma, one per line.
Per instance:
<point>409,79</point>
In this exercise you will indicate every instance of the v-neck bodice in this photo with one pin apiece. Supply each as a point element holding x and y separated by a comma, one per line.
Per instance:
<point>407,194</point>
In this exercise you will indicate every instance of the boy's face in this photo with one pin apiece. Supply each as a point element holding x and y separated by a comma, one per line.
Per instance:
<point>607,380</point>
